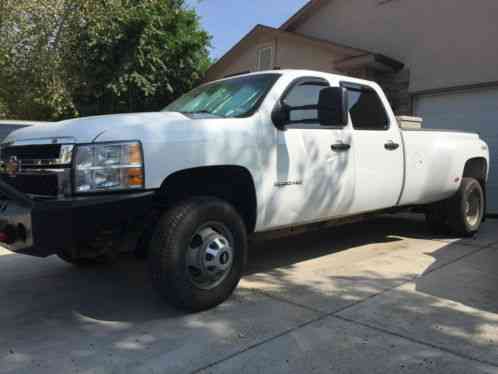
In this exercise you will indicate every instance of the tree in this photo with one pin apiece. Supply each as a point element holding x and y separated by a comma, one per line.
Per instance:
<point>31,83</point>
<point>82,57</point>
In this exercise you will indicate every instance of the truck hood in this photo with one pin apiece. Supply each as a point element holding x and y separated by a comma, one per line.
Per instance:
<point>89,129</point>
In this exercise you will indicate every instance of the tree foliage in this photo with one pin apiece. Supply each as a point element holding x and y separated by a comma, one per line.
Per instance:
<point>61,58</point>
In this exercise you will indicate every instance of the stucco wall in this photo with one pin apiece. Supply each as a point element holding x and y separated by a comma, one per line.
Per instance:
<point>445,43</point>
<point>245,59</point>
<point>289,53</point>
<point>292,54</point>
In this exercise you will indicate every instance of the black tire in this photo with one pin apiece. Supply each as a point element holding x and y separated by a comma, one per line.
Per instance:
<point>466,208</point>
<point>171,241</point>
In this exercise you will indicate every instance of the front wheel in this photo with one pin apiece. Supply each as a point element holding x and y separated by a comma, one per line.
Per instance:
<point>198,253</point>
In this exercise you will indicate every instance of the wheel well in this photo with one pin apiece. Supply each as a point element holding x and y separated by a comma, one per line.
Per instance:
<point>476,168</point>
<point>231,183</point>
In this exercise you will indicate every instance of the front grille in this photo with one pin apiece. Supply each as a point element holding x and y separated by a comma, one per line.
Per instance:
<point>32,152</point>
<point>38,169</point>
<point>37,184</point>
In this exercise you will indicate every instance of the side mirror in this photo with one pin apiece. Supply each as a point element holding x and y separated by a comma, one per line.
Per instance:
<point>333,106</point>
<point>280,115</point>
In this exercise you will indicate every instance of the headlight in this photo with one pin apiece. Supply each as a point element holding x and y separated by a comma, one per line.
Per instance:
<point>108,167</point>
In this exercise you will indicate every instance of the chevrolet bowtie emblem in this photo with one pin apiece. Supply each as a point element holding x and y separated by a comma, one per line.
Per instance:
<point>12,166</point>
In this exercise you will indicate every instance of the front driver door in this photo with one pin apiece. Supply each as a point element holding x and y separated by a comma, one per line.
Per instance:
<point>314,167</point>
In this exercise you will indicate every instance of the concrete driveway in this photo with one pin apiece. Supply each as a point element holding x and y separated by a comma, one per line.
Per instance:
<point>378,297</point>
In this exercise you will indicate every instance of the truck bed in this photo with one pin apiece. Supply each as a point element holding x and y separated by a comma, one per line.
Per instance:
<point>434,162</point>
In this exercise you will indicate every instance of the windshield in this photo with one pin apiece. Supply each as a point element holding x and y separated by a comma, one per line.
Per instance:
<point>236,97</point>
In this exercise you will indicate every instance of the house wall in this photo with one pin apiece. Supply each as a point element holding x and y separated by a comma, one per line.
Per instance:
<point>289,53</point>
<point>445,43</point>
<point>293,54</point>
<point>245,59</point>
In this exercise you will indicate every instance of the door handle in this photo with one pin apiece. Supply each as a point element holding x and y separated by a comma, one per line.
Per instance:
<point>391,146</point>
<point>340,147</point>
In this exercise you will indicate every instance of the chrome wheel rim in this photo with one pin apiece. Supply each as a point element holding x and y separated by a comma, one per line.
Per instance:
<point>209,256</point>
<point>473,207</point>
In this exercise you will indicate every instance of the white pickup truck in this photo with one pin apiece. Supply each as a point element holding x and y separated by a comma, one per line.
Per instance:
<point>233,158</point>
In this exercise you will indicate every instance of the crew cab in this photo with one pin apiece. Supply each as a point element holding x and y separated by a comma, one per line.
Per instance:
<point>248,155</point>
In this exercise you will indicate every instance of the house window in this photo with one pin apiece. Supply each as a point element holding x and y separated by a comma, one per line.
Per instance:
<point>265,58</point>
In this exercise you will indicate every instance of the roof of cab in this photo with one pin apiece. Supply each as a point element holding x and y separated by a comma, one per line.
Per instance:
<point>304,73</point>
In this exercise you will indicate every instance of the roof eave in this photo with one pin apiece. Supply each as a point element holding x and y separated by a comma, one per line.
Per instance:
<point>278,32</point>
<point>375,61</point>
<point>301,14</point>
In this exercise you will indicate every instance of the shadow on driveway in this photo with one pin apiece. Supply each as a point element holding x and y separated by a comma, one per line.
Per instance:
<point>450,302</point>
<point>123,291</point>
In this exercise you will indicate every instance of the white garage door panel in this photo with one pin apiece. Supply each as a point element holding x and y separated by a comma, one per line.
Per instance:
<point>473,110</point>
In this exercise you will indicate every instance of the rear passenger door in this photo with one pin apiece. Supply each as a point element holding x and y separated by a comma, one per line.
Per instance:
<point>378,150</point>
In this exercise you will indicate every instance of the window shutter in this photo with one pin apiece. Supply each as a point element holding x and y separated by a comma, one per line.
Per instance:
<point>265,58</point>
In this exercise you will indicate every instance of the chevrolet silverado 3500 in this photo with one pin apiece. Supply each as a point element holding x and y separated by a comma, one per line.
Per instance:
<point>245,155</point>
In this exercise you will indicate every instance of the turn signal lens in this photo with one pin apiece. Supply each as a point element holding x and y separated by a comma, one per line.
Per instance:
<point>135,177</point>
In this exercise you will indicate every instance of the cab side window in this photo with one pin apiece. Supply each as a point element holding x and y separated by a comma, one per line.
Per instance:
<point>303,99</point>
<point>366,109</point>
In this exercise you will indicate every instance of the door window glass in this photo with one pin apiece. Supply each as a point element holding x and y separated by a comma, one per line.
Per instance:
<point>302,101</point>
<point>366,109</point>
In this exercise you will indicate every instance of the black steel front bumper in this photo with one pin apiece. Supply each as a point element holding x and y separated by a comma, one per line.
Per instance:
<point>45,227</point>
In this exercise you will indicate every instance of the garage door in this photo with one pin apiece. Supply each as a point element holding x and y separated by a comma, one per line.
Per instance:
<point>473,110</point>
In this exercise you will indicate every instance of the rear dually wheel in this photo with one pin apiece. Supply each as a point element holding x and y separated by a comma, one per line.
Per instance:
<point>462,214</point>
